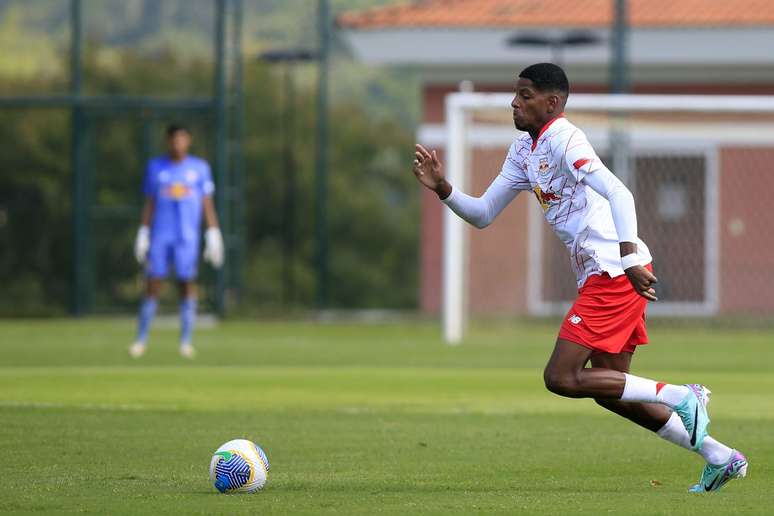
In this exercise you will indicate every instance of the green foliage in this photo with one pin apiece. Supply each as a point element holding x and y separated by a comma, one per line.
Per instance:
<point>34,211</point>
<point>372,201</point>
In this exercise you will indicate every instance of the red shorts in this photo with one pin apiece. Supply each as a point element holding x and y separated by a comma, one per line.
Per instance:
<point>608,316</point>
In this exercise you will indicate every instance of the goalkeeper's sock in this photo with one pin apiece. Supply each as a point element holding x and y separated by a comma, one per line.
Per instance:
<point>147,312</point>
<point>187,319</point>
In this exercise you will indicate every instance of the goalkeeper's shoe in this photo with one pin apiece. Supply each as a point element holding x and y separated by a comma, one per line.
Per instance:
<point>187,351</point>
<point>715,477</point>
<point>693,412</point>
<point>137,349</point>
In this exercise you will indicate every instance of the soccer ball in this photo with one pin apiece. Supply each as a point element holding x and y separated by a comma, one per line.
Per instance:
<point>239,466</point>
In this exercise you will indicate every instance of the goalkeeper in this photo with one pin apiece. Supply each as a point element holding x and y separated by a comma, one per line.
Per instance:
<point>178,188</point>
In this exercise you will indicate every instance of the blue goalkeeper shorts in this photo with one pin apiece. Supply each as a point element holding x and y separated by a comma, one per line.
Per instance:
<point>183,255</point>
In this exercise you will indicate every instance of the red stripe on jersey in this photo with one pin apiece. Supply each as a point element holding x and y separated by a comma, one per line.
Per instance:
<point>659,386</point>
<point>578,164</point>
<point>545,128</point>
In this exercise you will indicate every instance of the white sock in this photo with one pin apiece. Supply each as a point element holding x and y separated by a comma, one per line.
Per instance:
<point>674,431</point>
<point>649,391</point>
<point>714,452</point>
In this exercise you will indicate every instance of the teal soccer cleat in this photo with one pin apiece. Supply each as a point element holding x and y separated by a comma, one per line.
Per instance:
<point>715,477</point>
<point>693,411</point>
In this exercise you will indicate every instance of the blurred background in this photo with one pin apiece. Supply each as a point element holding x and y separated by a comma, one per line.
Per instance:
<point>308,111</point>
<point>306,203</point>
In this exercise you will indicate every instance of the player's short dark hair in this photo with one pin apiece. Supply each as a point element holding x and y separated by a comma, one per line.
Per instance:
<point>174,128</point>
<point>547,77</point>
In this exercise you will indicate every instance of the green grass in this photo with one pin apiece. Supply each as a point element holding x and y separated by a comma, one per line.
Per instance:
<point>360,419</point>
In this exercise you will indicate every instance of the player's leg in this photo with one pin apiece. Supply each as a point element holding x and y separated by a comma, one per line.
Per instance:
<point>652,416</point>
<point>186,268</point>
<point>187,317</point>
<point>566,375</point>
<point>145,317</point>
<point>156,271</point>
<point>723,462</point>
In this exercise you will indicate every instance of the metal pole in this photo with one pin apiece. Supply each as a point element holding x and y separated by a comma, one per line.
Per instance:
<point>289,186</point>
<point>556,52</point>
<point>79,210</point>
<point>321,169</point>
<point>619,83</point>
<point>619,80</point>
<point>221,141</point>
<point>237,163</point>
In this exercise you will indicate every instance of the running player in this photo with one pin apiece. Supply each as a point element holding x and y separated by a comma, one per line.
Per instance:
<point>177,188</point>
<point>593,214</point>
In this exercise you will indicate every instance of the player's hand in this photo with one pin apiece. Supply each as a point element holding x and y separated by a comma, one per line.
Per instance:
<point>428,171</point>
<point>213,247</point>
<point>142,244</point>
<point>642,280</point>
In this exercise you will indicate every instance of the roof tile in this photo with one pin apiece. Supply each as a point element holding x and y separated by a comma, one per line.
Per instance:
<point>560,13</point>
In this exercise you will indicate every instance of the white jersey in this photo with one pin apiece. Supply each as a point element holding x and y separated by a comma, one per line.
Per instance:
<point>552,168</point>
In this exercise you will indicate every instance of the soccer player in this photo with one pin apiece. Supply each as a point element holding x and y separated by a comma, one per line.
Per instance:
<point>593,214</point>
<point>177,188</point>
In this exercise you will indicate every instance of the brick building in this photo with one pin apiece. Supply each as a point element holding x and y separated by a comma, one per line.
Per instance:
<point>677,47</point>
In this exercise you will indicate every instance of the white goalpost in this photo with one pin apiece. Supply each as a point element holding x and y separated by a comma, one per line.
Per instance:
<point>661,131</point>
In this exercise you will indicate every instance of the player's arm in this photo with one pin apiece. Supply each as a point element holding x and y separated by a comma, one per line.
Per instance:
<point>210,215</point>
<point>621,200</point>
<point>478,211</point>
<point>142,240</point>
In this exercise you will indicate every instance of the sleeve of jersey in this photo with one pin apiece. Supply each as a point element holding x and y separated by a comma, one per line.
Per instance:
<point>580,156</point>
<point>621,201</point>
<point>208,186</point>
<point>482,211</point>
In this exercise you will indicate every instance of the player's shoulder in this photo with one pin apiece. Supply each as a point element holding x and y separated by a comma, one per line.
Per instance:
<point>198,161</point>
<point>518,153</point>
<point>157,163</point>
<point>563,131</point>
<point>521,146</point>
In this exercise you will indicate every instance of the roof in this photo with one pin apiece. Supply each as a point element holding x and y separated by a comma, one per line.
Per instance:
<point>560,13</point>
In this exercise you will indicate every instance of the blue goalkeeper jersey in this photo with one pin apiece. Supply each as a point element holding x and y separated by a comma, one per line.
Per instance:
<point>178,189</point>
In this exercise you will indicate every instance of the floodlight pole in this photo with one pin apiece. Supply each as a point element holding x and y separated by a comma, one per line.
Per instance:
<point>221,151</point>
<point>619,80</point>
<point>79,209</point>
<point>619,141</point>
<point>236,155</point>
<point>321,165</point>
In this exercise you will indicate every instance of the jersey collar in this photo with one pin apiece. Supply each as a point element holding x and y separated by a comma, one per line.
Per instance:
<point>545,128</point>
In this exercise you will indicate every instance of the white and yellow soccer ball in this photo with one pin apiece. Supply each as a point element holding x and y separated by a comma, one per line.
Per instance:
<point>239,466</point>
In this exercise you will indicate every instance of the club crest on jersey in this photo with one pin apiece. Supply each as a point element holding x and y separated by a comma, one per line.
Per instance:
<point>575,319</point>
<point>544,197</point>
<point>191,175</point>
<point>543,166</point>
<point>177,191</point>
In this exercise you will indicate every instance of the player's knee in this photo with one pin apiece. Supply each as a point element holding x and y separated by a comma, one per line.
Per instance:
<point>560,383</point>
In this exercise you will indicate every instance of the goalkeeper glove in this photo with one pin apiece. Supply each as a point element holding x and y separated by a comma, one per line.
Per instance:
<point>213,247</point>
<point>142,244</point>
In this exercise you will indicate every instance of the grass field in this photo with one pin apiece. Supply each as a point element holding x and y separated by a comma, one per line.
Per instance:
<point>360,419</point>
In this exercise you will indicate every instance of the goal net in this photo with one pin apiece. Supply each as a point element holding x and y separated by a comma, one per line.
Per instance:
<point>700,168</point>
